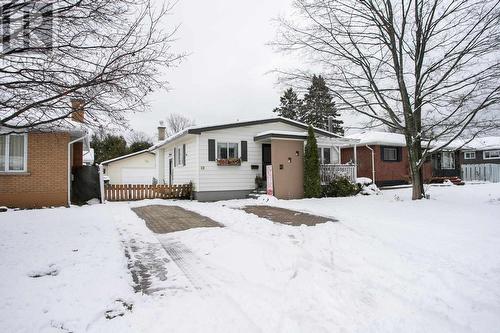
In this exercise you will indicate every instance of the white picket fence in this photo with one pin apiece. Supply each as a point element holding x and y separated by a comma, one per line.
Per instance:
<point>329,171</point>
<point>481,172</point>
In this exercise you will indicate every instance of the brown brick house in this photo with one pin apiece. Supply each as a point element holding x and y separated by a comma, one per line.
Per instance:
<point>384,157</point>
<point>35,166</point>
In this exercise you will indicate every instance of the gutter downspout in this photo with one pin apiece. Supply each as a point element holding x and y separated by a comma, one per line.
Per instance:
<point>69,166</point>
<point>373,163</point>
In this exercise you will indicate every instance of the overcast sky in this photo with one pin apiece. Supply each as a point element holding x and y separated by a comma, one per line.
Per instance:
<point>224,77</point>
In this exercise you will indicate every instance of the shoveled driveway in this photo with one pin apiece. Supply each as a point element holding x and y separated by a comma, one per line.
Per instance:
<point>164,219</point>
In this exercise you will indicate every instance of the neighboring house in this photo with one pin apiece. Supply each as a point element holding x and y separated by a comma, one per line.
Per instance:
<point>36,165</point>
<point>383,157</point>
<point>135,168</point>
<point>223,161</point>
<point>480,159</point>
<point>481,151</point>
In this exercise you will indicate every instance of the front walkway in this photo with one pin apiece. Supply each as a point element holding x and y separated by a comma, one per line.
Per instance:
<point>286,216</point>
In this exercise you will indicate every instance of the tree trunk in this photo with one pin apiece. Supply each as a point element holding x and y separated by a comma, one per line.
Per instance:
<point>416,174</point>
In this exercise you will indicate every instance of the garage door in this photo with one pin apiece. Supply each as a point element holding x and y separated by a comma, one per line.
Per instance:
<point>137,176</point>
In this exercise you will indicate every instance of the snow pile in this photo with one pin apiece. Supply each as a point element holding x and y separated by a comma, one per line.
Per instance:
<point>62,269</point>
<point>371,189</point>
<point>265,198</point>
<point>363,181</point>
<point>367,186</point>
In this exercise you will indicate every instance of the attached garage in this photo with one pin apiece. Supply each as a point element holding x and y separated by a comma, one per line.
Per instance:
<point>137,175</point>
<point>135,168</point>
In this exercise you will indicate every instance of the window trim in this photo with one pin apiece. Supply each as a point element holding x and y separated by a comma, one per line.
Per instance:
<point>321,155</point>
<point>490,151</point>
<point>178,156</point>
<point>469,152</point>
<point>454,166</point>
<point>217,157</point>
<point>398,153</point>
<point>7,154</point>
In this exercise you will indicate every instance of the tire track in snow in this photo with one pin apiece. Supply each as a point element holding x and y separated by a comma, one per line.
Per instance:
<point>189,263</point>
<point>184,259</point>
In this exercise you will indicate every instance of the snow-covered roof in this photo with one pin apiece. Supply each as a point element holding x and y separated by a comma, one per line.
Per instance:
<point>395,139</point>
<point>76,129</point>
<point>127,156</point>
<point>489,142</point>
<point>202,128</point>
<point>378,138</point>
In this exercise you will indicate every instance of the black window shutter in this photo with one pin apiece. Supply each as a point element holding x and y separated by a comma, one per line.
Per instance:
<point>400,154</point>
<point>244,151</point>
<point>184,154</point>
<point>175,157</point>
<point>211,149</point>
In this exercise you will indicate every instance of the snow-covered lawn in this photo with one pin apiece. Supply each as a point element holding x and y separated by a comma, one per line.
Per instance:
<point>389,265</point>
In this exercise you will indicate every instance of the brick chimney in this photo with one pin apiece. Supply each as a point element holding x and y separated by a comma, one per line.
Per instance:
<point>78,113</point>
<point>161,131</point>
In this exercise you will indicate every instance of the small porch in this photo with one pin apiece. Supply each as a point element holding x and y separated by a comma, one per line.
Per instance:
<point>328,172</point>
<point>330,160</point>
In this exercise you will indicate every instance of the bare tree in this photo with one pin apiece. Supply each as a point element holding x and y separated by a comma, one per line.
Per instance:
<point>429,69</point>
<point>137,136</point>
<point>177,122</point>
<point>107,53</point>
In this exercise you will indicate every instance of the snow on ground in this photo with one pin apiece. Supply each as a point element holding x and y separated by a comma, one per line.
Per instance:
<point>389,265</point>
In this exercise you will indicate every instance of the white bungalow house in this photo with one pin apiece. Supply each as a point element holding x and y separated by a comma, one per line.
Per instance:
<point>223,161</point>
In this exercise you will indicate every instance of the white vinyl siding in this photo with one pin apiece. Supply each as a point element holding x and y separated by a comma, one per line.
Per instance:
<point>13,153</point>
<point>184,171</point>
<point>227,178</point>
<point>134,165</point>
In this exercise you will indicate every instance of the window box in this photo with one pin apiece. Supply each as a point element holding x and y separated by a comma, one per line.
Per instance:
<point>229,162</point>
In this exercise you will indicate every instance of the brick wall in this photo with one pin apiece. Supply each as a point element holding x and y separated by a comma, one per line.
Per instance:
<point>45,183</point>
<point>386,173</point>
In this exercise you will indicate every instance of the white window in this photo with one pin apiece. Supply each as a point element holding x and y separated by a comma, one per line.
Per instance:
<point>491,154</point>
<point>180,155</point>
<point>227,150</point>
<point>469,155</point>
<point>448,160</point>
<point>324,155</point>
<point>13,153</point>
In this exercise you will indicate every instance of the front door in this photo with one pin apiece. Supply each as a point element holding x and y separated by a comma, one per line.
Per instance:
<point>266,158</point>
<point>170,171</point>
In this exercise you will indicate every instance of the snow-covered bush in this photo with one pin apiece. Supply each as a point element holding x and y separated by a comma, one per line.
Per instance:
<point>366,186</point>
<point>340,187</point>
<point>369,189</point>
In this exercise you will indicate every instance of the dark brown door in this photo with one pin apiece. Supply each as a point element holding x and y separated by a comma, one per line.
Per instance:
<point>266,158</point>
